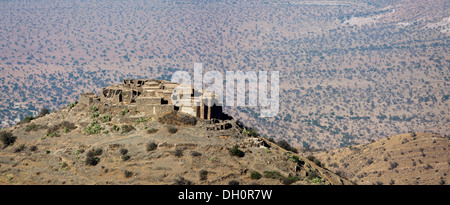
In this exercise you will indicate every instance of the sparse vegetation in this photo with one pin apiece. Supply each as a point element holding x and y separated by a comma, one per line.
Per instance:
<point>7,138</point>
<point>33,148</point>
<point>141,120</point>
<point>115,128</point>
<point>182,181</point>
<point>273,175</point>
<point>203,175</point>
<point>196,154</point>
<point>123,151</point>
<point>175,118</point>
<point>233,182</point>
<point>178,152</point>
<point>72,105</point>
<point>127,173</point>
<point>152,130</point>
<point>43,112</point>
<point>235,151</point>
<point>125,157</point>
<point>393,165</point>
<point>172,129</point>
<point>26,120</point>
<point>127,128</point>
<point>65,125</point>
<point>285,145</point>
<point>151,146</point>
<point>255,175</point>
<point>106,118</point>
<point>95,114</point>
<point>19,148</point>
<point>92,156</point>
<point>289,180</point>
<point>93,128</point>
<point>125,111</point>
<point>34,127</point>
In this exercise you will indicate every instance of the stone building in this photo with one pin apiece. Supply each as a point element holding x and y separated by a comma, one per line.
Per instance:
<point>154,97</point>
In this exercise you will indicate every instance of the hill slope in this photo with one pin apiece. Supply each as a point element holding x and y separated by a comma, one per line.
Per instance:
<point>413,158</point>
<point>57,149</point>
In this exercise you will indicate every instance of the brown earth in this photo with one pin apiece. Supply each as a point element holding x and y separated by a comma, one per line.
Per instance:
<point>408,159</point>
<point>181,155</point>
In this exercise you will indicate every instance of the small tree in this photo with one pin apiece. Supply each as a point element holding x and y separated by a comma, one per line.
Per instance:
<point>235,151</point>
<point>7,138</point>
<point>203,175</point>
<point>172,129</point>
<point>43,112</point>
<point>151,146</point>
<point>255,175</point>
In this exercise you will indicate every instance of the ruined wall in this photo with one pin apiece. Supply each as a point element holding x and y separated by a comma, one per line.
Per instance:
<point>88,99</point>
<point>152,97</point>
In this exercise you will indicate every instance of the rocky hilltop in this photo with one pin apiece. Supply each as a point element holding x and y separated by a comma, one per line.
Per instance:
<point>91,143</point>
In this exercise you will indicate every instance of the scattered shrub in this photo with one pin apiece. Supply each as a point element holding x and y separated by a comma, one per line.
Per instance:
<point>187,119</point>
<point>270,139</point>
<point>71,105</point>
<point>311,158</point>
<point>7,138</point>
<point>235,151</point>
<point>196,154</point>
<point>65,125</point>
<point>33,148</point>
<point>178,153</point>
<point>233,182</point>
<point>252,132</point>
<point>125,157</point>
<point>273,175</point>
<point>115,128</point>
<point>294,158</point>
<point>125,111</point>
<point>93,128</point>
<point>312,174</point>
<point>92,160</point>
<point>172,129</point>
<point>141,120</point>
<point>317,162</point>
<point>285,145</point>
<point>152,130</point>
<point>92,156</point>
<point>20,148</point>
<point>289,180</point>
<point>203,175</point>
<point>128,174</point>
<point>151,146</point>
<point>255,175</point>
<point>33,127</point>
<point>106,118</point>
<point>174,118</point>
<point>127,128</point>
<point>95,114</point>
<point>393,165</point>
<point>123,151</point>
<point>94,108</point>
<point>52,134</point>
<point>26,119</point>
<point>43,112</point>
<point>182,181</point>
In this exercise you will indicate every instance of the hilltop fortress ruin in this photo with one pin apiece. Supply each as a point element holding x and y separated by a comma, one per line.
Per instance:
<point>152,98</point>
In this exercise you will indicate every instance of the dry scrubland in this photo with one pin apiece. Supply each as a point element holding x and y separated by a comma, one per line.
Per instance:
<point>413,158</point>
<point>350,70</point>
<point>67,147</point>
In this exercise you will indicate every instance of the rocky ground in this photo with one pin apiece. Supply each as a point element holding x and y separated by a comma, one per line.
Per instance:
<point>117,155</point>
